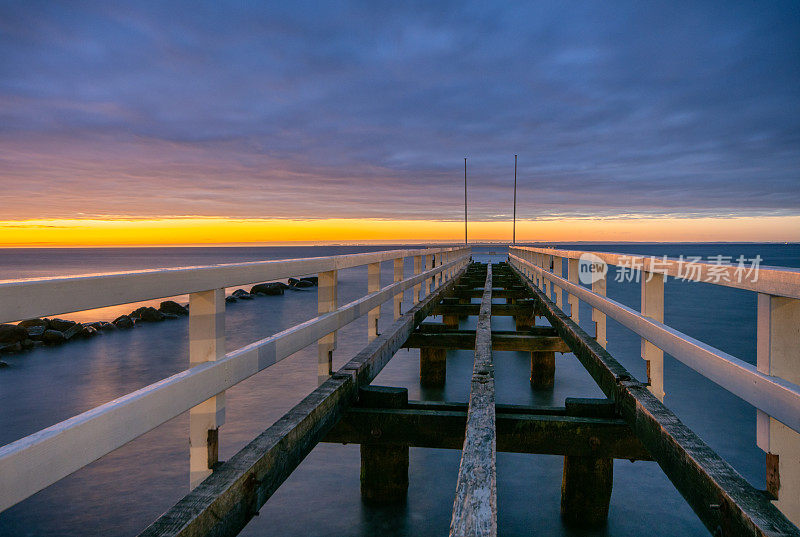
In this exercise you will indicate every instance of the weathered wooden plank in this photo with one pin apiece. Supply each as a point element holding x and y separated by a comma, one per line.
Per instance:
<point>500,342</point>
<point>224,502</point>
<point>517,432</point>
<point>723,500</point>
<point>475,505</point>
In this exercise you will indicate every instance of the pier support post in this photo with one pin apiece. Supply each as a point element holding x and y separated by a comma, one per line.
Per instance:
<point>326,303</point>
<point>653,307</point>
<point>432,367</point>
<point>586,490</point>
<point>206,344</point>
<point>373,285</point>
<point>543,369</point>
<point>417,270</point>
<point>778,354</point>
<point>398,298</point>
<point>384,468</point>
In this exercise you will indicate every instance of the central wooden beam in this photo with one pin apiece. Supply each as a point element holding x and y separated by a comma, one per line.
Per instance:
<point>475,505</point>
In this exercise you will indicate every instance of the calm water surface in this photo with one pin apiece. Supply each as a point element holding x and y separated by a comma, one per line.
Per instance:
<point>124,491</point>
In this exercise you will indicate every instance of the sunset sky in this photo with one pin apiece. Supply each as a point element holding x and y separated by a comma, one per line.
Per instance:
<point>188,123</point>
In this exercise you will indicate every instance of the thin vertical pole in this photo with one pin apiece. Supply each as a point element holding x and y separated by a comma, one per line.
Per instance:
<point>465,201</point>
<point>514,232</point>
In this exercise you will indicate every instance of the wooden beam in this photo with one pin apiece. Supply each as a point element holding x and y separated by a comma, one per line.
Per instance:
<point>475,505</point>
<point>465,340</point>
<point>723,500</point>
<point>224,503</point>
<point>507,310</point>
<point>497,292</point>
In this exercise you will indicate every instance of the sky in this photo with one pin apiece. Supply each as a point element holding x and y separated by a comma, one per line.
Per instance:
<point>187,122</point>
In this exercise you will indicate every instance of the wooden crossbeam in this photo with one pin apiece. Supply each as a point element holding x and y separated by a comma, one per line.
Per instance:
<point>465,339</point>
<point>225,501</point>
<point>518,431</point>
<point>474,309</point>
<point>723,500</point>
<point>475,505</point>
<point>497,292</point>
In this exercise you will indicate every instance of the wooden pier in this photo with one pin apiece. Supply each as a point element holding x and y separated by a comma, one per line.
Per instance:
<point>631,422</point>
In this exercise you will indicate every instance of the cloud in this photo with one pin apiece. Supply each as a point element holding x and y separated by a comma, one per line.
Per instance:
<point>367,109</point>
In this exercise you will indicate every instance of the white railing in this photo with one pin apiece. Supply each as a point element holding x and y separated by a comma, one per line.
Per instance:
<point>39,460</point>
<point>771,386</point>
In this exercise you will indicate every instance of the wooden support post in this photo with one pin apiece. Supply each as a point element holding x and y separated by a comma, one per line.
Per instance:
<point>450,321</point>
<point>417,270</point>
<point>398,298</point>
<point>599,318</point>
<point>428,281</point>
<point>573,266</point>
<point>384,467</point>
<point>206,344</point>
<point>373,285</point>
<point>558,271</point>
<point>778,354</point>
<point>432,367</point>
<point>327,301</point>
<point>547,284</point>
<point>543,369</point>
<point>586,490</point>
<point>653,307</point>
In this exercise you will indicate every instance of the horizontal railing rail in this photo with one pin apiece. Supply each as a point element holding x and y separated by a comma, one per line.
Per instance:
<point>39,460</point>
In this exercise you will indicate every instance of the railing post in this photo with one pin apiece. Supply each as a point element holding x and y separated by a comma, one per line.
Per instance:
<point>428,281</point>
<point>398,277</point>
<point>326,303</point>
<point>417,270</point>
<point>547,286</point>
<point>778,354</point>
<point>373,285</point>
<point>653,307</point>
<point>558,271</point>
<point>599,318</point>
<point>572,275</point>
<point>206,344</point>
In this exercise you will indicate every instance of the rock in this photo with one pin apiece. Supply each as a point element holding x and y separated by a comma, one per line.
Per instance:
<point>230,299</point>
<point>242,294</point>
<point>28,344</point>
<point>96,325</point>
<point>3,364</point>
<point>10,348</point>
<point>272,288</point>
<point>123,321</point>
<point>88,331</point>
<point>170,316</point>
<point>294,282</point>
<point>148,314</point>
<point>60,324</point>
<point>33,322</point>
<point>12,333</point>
<point>73,331</point>
<point>36,331</point>
<point>53,337</point>
<point>107,326</point>
<point>170,306</point>
<point>313,279</point>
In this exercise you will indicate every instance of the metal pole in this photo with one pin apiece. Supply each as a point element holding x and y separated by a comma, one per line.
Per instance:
<point>465,200</point>
<point>514,232</point>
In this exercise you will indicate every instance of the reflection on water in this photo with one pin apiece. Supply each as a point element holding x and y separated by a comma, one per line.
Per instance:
<point>124,491</point>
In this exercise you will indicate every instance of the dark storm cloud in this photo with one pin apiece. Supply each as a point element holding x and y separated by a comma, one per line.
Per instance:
<point>367,109</point>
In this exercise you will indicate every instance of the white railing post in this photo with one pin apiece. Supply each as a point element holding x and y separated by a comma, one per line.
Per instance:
<point>428,287</point>
<point>206,344</point>
<point>373,284</point>
<point>417,270</point>
<point>327,301</point>
<point>653,307</point>
<point>547,286</point>
<point>572,276</point>
<point>599,318</point>
<point>398,298</point>
<point>558,271</point>
<point>778,355</point>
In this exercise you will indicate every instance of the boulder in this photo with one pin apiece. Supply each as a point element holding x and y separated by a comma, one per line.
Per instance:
<point>313,279</point>
<point>36,331</point>
<point>96,325</point>
<point>28,344</point>
<point>88,331</point>
<point>294,282</point>
<point>272,288</point>
<point>60,324</point>
<point>242,294</point>
<point>170,316</point>
<point>123,321</point>
<point>10,348</point>
<point>73,331</point>
<point>53,337</point>
<point>148,314</point>
<point>107,326</point>
<point>170,306</point>
<point>33,322</point>
<point>3,364</point>
<point>230,299</point>
<point>12,333</point>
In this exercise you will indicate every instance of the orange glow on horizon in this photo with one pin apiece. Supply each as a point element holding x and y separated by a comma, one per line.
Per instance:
<point>226,231</point>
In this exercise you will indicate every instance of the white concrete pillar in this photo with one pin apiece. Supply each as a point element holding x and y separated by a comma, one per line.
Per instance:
<point>653,307</point>
<point>327,301</point>
<point>572,275</point>
<point>206,344</point>
<point>778,355</point>
<point>373,285</point>
<point>417,270</point>
<point>599,318</point>
<point>398,298</point>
